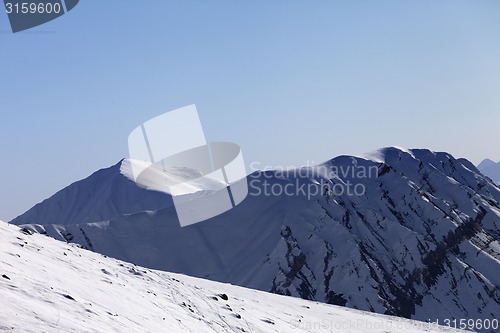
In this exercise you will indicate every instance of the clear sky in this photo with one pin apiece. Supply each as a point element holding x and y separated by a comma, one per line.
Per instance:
<point>289,81</point>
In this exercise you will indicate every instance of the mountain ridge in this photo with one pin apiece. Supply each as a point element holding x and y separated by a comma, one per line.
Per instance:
<point>422,242</point>
<point>103,195</point>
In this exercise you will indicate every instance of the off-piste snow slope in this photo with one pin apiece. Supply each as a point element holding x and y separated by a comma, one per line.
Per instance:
<point>421,242</point>
<point>51,286</point>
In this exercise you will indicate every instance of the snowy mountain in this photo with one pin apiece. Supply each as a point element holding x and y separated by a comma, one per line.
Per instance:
<point>420,241</point>
<point>104,195</point>
<point>51,286</point>
<point>490,169</point>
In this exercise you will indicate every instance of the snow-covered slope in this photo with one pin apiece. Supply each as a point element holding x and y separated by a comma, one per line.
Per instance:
<point>104,195</point>
<point>490,169</point>
<point>51,286</point>
<point>422,242</point>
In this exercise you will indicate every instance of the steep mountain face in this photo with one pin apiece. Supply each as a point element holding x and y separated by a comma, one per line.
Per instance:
<point>104,195</point>
<point>408,233</point>
<point>490,169</point>
<point>51,286</point>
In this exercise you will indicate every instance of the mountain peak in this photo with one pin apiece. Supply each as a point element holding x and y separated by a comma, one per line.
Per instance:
<point>490,169</point>
<point>104,195</point>
<point>486,163</point>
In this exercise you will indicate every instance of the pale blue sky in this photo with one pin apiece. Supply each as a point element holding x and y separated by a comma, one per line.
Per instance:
<point>289,81</point>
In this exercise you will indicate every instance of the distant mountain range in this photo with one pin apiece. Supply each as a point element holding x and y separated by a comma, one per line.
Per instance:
<point>490,169</point>
<point>419,238</point>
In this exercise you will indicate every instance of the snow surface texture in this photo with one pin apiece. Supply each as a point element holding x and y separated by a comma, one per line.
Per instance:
<point>51,286</point>
<point>421,243</point>
<point>490,169</point>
